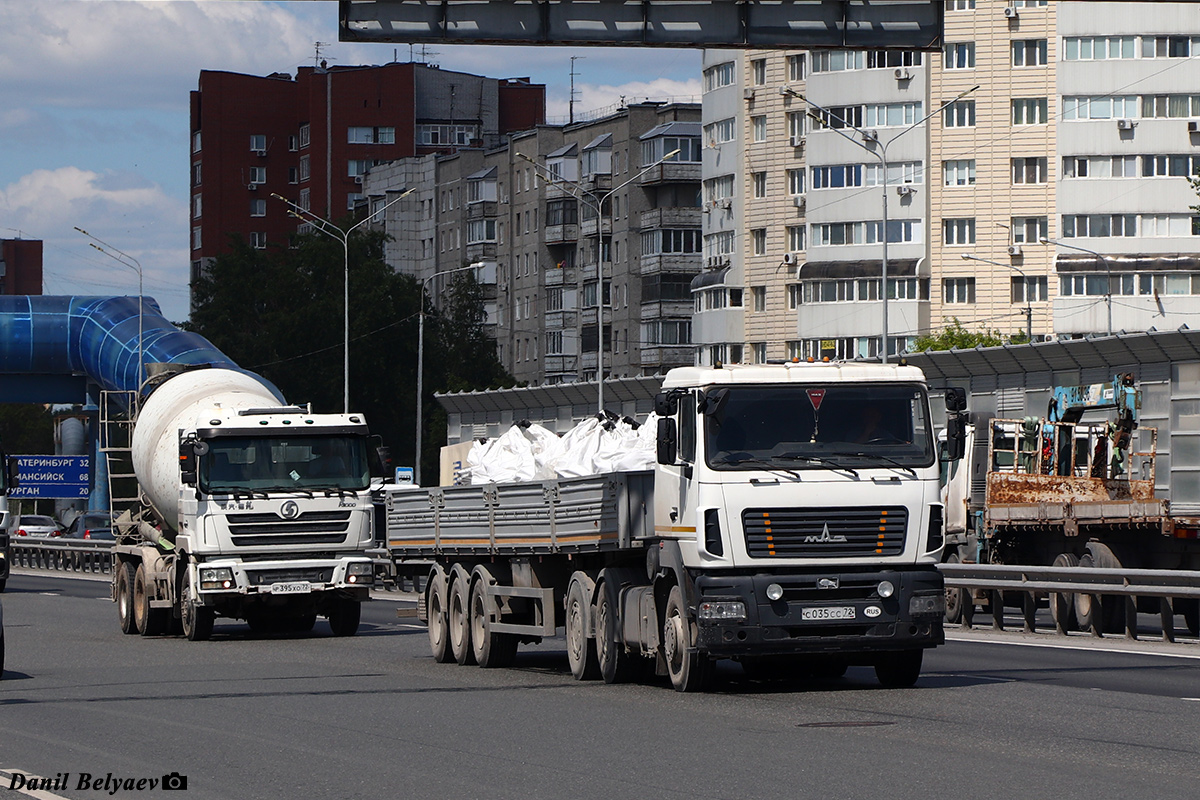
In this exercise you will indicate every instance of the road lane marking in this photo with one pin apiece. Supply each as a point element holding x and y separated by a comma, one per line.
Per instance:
<point>40,794</point>
<point>1090,646</point>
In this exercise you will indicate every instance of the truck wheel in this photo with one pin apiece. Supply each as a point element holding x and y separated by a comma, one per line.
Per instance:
<point>125,597</point>
<point>459,619</point>
<point>439,625</point>
<point>344,616</point>
<point>899,670</point>
<point>490,649</point>
<point>150,621</point>
<point>3,583</point>
<point>1108,612</point>
<point>197,621</point>
<point>954,598</point>
<point>687,667</point>
<point>1191,614</point>
<point>1062,606</point>
<point>615,664</point>
<point>581,650</point>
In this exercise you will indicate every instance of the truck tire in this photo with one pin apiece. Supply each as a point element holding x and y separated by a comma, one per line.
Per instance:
<point>150,621</point>
<point>686,666</point>
<point>344,616</point>
<point>1190,608</point>
<point>581,649</point>
<point>954,598</point>
<point>437,604</point>
<point>899,670</point>
<point>1108,612</point>
<point>196,621</point>
<point>1062,605</point>
<point>125,576</point>
<point>458,613</point>
<point>490,649</point>
<point>616,665</point>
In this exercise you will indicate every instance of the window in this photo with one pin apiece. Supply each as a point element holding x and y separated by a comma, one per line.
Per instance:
<point>758,298</point>
<point>1027,289</point>
<point>758,237</point>
<point>959,55</point>
<point>840,117</point>
<point>196,238</point>
<point>258,240</point>
<point>887,59</point>
<point>667,287</point>
<point>892,115</point>
<point>1170,166</point>
<point>795,65</point>
<point>196,142</point>
<point>667,331</point>
<point>304,135</point>
<point>434,135</point>
<point>305,199</point>
<point>1028,170</point>
<point>759,352</point>
<point>1029,230</point>
<point>1169,46</point>
<point>197,206</point>
<point>960,5</point>
<point>837,177</point>
<point>258,175</point>
<point>1100,107</point>
<point>654,149</point>
<point>837,60</point>
<point>718,188</point>
<point>958,290</point>
<point>793,296</point>
<point>908,172</point>
<point>305,168</point>
<point>960,172</point>
<point>959,114</point>
<point>719,244</point>
<point>258,142</point>
<point>719,131</point>
<point>292,144</point>
<point>481,230</point>
<point>258,207</point>
<point>758,71</point>
<point>958,231</point>
<point>795,178</point>
<point>719,75</point>
<point>1098,225</point>
<point>554,343</point>
<point>1030,111</point>
<point>353,199</point>
<point>759,183</point>
<point>795,238</point>
<point>758,127</point>
<point>1172,106</point>
<point>833,234</point>
<point>368,135</point>
<point>1087,48</point>
<point>667,241</point>
<point>796,127</point>
<point>196,174</point>
<point>293,175</point>
<point>1029,53</point>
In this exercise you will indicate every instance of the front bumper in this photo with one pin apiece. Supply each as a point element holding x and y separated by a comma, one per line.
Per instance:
<point>870,623</point>
<point>291,577</point>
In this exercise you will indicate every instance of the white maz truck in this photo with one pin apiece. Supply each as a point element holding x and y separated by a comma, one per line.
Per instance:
<point>245,509</point>
<point>793,523</point>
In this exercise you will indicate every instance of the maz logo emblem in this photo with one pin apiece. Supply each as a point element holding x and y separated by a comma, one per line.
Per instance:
<point>825,538</point>
<point>828,583</point>
<point>289,510</point>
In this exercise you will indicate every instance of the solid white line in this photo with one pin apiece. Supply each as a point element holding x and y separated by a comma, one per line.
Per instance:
<point>1091,646</point>
<point>39,794</point>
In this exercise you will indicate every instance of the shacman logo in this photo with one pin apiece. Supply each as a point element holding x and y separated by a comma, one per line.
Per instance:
<point>825,538</point>
<point>86,782</point>
<point>289,510</point>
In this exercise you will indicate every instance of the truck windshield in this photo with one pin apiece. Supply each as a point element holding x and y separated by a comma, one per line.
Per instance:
<point>817,427</point>
<point>307,463</point>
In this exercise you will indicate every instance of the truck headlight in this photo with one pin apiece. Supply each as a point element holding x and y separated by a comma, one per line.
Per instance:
<point>216,578</point>
<point>926,605</point>
<point>725,610</point>
<point>885,589</point>
<point>360,572</point>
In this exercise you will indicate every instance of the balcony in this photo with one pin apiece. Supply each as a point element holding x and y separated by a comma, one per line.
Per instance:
<point>486,209</point>
<point>477,251</point>
<point>660,309</point>
<point>668,172</point>
<point>670,262</point>
<point>559,365</point>
<point>588,227</point>
<point>598,182</point>
<point>660,357</point>
<point>562,234</point>
<point>676,217</point>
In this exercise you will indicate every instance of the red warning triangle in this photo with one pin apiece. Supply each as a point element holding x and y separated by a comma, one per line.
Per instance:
<point>815,396</point>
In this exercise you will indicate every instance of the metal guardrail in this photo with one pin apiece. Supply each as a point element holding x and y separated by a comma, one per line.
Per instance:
<point>1037,582</point>
<point>64,555</point>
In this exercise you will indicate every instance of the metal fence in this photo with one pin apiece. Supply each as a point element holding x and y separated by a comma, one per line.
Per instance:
<point>64,555</point>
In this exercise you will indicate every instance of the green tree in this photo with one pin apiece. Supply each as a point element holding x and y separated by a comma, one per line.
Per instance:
<point>956,336</point>
<point>26,429</point>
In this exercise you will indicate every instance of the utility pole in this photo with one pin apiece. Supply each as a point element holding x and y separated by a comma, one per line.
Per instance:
<point>571,102</point>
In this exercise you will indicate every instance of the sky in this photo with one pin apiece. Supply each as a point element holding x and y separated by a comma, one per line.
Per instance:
<point>94,115</point>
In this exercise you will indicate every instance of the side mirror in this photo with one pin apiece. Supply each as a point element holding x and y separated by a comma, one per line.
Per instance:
<point>10,472</point>
<point>188,452</point>
<point>956,399</point>
<point>956,436</point>
<point>668,441</point>
<point>666,404</point>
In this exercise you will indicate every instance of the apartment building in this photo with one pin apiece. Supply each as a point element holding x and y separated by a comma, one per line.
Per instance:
<point>1046,191</point>
<point>20,266</point>
<point>311,138</point>
<point>574,227</point>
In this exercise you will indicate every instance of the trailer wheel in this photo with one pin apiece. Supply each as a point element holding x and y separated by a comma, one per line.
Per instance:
<point>197,621</point>
<point>490,649</point>
<point>344,616</point>
<point>615,664</point>
<point>1062,605</point>
<point>581,650</point>
<point>150,621</point>
<point>899,670</point>
<point>125,597</point>
<point>460,618</point>
<point>439,626</point>
<point>686,666</point>
<point>954,598</point>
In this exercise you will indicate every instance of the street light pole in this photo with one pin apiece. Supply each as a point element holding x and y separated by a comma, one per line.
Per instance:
<point>590,199</point>
<point>421,361</point>
<point>1025,278</point>
<point>1107,267</point>
<point>137,265</point>
<point>334,232</point>
<point>880,152</point>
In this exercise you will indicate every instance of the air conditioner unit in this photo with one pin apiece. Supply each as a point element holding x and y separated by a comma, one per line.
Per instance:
<point>1010,12</point>
<point>358,178</point>
<point>1014,249</point>
<point>258,152</point>
<point>1125,124</point>
<point>253,187</point>
<point>871,135</point>
<point>903,74</point>
<point>905,191</point>
<point>797,141</point>
<point>748,94</point>
<point>799,200</point>
<point>1193,126</point>
<point>789,259</point>
<point>785,90</point>
<point>725,202</point>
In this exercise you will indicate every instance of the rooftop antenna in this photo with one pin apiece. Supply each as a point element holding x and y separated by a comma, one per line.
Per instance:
<point>317,61</point>
<point>571,102</point>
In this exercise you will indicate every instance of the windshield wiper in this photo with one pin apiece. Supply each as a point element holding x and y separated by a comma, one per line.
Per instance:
<point>819,460</point>
<point>758,462</point>
<point>885,459</point>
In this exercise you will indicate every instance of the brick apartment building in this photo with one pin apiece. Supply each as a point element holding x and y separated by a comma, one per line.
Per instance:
<point>311,138</point>
<point>20,266</point>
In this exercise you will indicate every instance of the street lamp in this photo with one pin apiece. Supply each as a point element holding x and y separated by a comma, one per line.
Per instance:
<point>1024,277</point>
<point>596,203</point>
<point>1107,267</point>
<point>880,152</point>
<point>123,259</point>
<point>334,232</point>
<point>421,359</point>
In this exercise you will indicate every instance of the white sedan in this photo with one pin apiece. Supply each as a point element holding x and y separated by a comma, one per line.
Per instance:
<point>37,525</point>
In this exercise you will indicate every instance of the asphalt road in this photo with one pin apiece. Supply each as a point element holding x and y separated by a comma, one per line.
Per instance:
<point>373,716</point>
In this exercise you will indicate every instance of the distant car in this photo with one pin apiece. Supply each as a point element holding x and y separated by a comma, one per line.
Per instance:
<point>37,525</point>
<point>90,525</point>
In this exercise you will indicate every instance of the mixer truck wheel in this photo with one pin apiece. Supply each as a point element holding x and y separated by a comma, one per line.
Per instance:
<point>197,621</point>
<point>490,649</point>
<point>125,597</point>
<point>686,666</point>
<point>439,625</point>
<point>344,616</point>
<point>1062,605</point>
<point>150,621</point>
<point>460,618</point>
<point>581,650</point>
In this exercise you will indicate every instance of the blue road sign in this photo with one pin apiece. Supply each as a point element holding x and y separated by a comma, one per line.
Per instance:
<point>46,477</point>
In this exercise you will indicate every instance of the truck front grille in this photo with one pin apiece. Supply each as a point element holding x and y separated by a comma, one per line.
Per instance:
<point>824,532</point>
<point>311,527</point>
<point>266,577</point>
